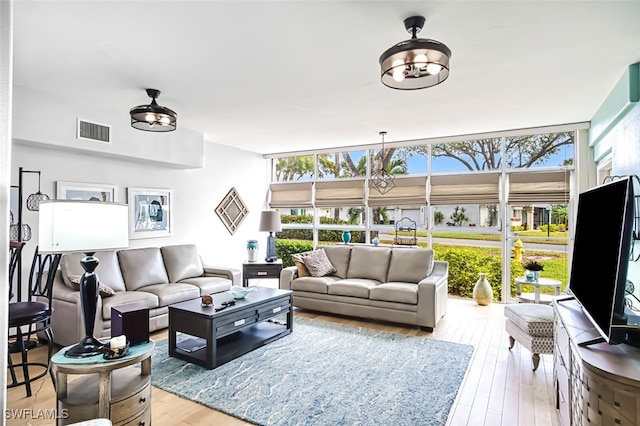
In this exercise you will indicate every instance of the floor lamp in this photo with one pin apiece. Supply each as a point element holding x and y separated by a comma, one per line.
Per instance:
<point>84,226</point>
<point>20,231</point>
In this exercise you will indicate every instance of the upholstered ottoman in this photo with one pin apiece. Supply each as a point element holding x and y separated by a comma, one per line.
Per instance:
<point>531,325</point>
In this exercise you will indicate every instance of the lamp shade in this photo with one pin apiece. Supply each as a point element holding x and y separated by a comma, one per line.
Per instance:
<point>85,226</point>
<point>270,221</point>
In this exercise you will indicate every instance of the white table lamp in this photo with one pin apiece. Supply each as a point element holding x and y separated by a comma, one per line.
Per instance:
<point>84,226</point>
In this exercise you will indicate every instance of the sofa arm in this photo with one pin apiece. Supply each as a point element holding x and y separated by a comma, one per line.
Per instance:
<point>230,273</point>
<point>286,276</point>
<point>433,293</point>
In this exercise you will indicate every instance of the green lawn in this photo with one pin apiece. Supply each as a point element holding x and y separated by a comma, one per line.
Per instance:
<point>556,238</point>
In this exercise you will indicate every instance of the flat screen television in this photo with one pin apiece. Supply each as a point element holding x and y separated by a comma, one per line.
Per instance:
<point>601,252</point>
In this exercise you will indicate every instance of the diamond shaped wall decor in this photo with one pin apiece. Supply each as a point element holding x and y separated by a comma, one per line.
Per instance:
<point>232,211</point>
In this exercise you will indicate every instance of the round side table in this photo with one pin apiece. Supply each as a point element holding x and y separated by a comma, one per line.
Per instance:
<point>535,297</point>
<point>111,389</point>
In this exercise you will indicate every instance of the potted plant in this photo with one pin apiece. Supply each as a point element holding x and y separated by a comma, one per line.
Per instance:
<point>533,269</point>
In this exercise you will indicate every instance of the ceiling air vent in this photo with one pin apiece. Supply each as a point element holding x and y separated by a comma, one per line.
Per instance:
<point>93,131</point>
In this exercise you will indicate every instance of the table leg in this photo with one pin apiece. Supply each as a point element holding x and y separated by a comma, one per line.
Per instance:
<point>145,366</point>
<point>172,334</point>
<point>61,393</point>
<point>104,394</point>
<point>537,293</point>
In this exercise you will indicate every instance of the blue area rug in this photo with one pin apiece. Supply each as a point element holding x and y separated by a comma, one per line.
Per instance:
<point>327,374</point>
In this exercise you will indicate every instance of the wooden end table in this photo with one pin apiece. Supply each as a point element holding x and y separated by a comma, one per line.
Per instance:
<point>260,270</point>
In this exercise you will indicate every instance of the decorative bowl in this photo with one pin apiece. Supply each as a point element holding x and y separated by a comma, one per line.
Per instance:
<point>240,292</point>
<point>115,353</point>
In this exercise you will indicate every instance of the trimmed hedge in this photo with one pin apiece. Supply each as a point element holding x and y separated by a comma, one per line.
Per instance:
<point>323,235</point>
<point>285,248</point>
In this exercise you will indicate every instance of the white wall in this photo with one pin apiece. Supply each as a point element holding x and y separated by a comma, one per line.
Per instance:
<point>6,84</point>
<point>196,193</point>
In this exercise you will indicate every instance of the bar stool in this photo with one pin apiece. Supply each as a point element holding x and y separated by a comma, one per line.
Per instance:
<point>34,316</point>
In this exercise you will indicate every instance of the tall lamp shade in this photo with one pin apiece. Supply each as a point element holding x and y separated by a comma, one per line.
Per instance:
<point>84,226</point>
<point>270,222</point>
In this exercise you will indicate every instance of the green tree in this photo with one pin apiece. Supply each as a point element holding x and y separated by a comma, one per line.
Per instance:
<point>294,168</point>
<point>459,216</point>
<point>560,214</point>
<point>438,217</point>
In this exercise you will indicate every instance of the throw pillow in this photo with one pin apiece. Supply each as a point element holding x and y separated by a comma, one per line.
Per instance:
<point>103,289</point>
<point>318,264</point>
<point>298,259</point>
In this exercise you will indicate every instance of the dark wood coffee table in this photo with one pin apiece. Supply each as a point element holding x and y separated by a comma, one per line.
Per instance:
<point>230,332</point>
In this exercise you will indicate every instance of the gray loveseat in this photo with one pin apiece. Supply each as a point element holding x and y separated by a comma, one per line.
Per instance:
<point>154,277</point>
<point>402,285</point>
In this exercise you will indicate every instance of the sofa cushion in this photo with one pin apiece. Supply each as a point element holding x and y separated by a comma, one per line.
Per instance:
<point>142,267</point>
<point>108,269</point>
<point>209,285</point>
<point>172,292</point>
<point>313,284</point>
<point>182,261</point>
<point>395,292</point>
<point>147,300</point>
<point>339,257</point>
<point>318,264</point>
<point>369,262</point>
<point>298,259</point>
<point>103,289</point>
<point>410,265</point>
<point>354,287</point>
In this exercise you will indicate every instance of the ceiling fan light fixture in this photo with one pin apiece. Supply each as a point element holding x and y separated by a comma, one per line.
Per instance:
<point>416,63</point>
<point>153,117</point>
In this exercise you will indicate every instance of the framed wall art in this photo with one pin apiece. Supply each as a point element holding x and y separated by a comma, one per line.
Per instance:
<point>86,191</point>
<point>150,213</point>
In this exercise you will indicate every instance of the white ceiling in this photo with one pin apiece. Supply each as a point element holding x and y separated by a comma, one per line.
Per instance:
<point>280,76</point>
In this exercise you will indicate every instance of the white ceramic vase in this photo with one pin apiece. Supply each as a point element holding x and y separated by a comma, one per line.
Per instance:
<point>482,291</point>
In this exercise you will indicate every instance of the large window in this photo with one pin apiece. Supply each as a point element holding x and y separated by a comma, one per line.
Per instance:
<point>467,156</point>
<point>293,169</point>
<point>338,165</point>
<point>478,194</point>
<point>543,150</point>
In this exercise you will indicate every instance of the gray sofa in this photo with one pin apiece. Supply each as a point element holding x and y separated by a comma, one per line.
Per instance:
<point>154,277</point>
<point>402,285</point>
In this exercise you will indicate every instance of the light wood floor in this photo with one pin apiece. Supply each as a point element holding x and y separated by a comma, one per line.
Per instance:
<point>499,388</point>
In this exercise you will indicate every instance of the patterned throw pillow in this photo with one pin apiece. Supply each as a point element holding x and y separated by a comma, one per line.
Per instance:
<point>298,259</point>
<point>103,289</point>
<point>318,264</point>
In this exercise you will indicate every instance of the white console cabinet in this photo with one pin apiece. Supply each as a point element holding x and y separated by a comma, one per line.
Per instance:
<point>597,384</point>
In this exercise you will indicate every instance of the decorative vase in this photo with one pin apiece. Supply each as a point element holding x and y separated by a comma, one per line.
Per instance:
<point>346,237</point>
<point>376,241</point>
<point>252,250</point>
<point>482,291</point>
<point>532,276</point>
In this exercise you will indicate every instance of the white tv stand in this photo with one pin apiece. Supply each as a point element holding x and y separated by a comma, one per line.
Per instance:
<point>594,385</point>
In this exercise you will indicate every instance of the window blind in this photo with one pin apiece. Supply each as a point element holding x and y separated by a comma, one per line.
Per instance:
<point>531,187</point>
<point>467,188</point>
<point>340,193</point>
<point>291,194</point>
<point>409,191</point>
